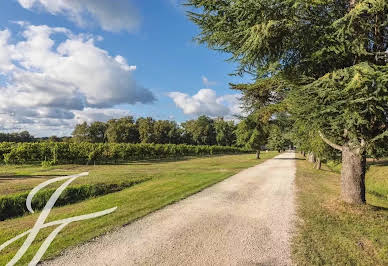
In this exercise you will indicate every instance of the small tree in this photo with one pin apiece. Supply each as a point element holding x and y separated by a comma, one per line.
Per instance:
<point>251,134</point>
<point>122,130</point>
<point>201,131</point>
<point>81,132</point>
<point>225,135</point>
<point>146,129</point>
<point>276,140</point>
<point>97,132</point>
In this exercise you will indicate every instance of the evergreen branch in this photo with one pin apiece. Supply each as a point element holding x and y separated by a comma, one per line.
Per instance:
<point>333,145</point>
<point>381,136</point>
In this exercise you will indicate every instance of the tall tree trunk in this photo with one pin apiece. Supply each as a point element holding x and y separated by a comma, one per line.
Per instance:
<point>318,163</point>
<point>311,157</point>
<point>352,172</point>
<point>353,176</point>
<point>258,154</point>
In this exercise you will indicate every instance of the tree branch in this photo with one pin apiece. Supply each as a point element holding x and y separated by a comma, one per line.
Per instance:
<point>381,136</point>
<point>333,145</point>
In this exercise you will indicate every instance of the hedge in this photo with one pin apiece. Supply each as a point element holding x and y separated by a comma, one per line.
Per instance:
<point>15,205</point>
<point>62,152</point>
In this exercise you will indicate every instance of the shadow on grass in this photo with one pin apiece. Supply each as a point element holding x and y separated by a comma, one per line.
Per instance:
<point>166,160</point>
<point>292,159</point>
<point>20,177</point>
<point>379,163</point>
<point>377,208</point>
<point>130,162</point>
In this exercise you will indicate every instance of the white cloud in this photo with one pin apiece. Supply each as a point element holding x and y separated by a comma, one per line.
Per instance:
<point>43,124</point>
<point>46,79</point>
<point>206,102</point>
<point>111,15</point>
<point>90,115</point>
<point>5,52</point>
<point>207,82</point>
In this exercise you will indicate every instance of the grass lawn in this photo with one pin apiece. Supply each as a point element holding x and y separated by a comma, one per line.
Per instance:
<point>334,233</point>
<point>171,181</point>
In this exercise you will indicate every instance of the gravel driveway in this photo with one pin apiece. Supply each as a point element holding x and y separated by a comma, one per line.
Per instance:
<point>244,220</point>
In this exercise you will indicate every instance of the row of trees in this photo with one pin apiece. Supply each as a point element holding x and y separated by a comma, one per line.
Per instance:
<point>247,134</point>
<point>23,136</point>
<point>322,62</point>
<point>201,131</point>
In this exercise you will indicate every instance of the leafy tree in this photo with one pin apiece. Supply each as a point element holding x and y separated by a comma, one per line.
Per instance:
<point>146,129</point>
<point>81,133</point>
<point>23,136</point>
<point>225,135</point>
<point>307,139</point>
<point>201,130</point>
<point>276,140</point>
<point>161,131</point>
<point>54,139</point>
<point>325,59</point>
<point>122,130</point>
<point>97,132</point>
<point>166,131</point>
<point>187,132</point>
<point>252,134</point>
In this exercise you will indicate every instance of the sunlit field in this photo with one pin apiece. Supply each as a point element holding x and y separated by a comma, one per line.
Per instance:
<point>166,182</point>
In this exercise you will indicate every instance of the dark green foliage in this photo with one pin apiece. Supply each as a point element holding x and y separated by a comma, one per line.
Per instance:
<point>252,133</point>
<point>330,53</point>
<point>349,105</point>
<point>123,130</point>
<point>166,132</point>
<point>81,132</point>
<point>97,132</point>
<point>23,136</point>
<point>202,130</point>
<point>225,135</point>
<point>146,129</point>
<point>276,140</point>
<point>15,205</point>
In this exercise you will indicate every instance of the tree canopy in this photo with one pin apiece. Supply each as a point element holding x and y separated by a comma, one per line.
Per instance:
<point>323,61</point>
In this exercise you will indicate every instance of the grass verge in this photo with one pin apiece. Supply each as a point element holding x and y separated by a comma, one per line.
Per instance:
<point>172,182</point>
<point>333,233</point>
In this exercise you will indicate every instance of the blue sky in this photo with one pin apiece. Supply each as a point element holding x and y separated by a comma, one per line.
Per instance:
<point>146,44</point>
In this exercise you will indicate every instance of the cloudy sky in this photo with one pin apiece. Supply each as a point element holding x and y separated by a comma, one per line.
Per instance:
<point>67,61</point>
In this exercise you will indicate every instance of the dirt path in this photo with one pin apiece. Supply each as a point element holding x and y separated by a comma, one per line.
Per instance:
<point>244,220</point>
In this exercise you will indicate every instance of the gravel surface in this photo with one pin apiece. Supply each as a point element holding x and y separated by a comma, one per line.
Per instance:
<point>244,220</point>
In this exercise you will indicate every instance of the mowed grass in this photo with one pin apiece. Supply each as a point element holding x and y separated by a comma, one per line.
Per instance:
<point>333,233</point>
<point>171,182</point>
<point>21,178</point>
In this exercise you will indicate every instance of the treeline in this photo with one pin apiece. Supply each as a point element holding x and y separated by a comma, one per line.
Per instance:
<point>202,131</point>
<point>23,136</point>
<point>85,152</point>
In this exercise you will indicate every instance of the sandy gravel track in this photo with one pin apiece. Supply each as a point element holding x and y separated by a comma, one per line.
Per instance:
<point>244,220</point>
